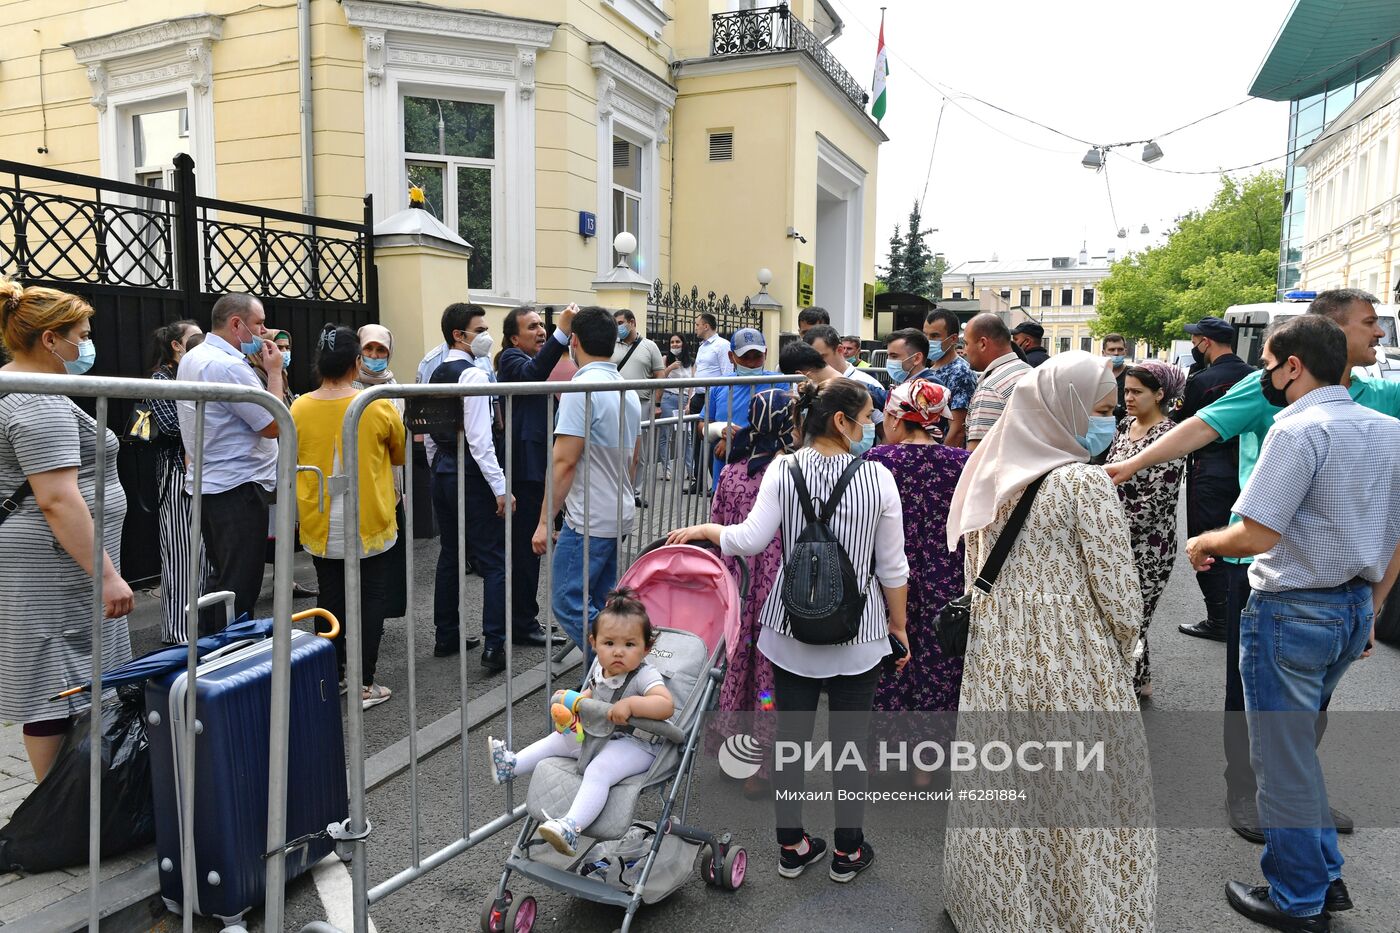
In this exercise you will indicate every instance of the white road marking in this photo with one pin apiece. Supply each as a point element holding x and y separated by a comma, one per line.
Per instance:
<point>333,885</point>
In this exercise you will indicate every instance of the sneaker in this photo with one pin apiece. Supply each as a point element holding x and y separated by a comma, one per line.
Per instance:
<point>502,761</point>
<point>373,695</point>
<point>562,834</point>
<point>846,867</point>
<point>791,863</point>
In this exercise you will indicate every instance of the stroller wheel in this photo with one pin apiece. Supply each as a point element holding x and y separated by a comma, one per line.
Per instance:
<point>707,867</point>
<point>520,916</point>
<point>493,914</point>
<point>734,868</point>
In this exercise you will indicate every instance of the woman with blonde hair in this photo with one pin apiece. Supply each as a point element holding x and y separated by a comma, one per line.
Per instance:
<point>1056,634</point>
<point>48,487</point>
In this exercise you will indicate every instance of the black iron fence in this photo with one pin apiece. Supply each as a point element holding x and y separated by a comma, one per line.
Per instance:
<point>673,311</point>
<point>144,256</point>
<point>775,29</point>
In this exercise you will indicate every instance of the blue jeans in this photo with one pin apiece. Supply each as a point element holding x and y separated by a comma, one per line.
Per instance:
<point>567,591</point>
<point>1294,648</point>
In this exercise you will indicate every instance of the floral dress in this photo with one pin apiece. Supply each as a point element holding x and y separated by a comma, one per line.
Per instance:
<point>746,696</point>
<point>1149,500</point>
<point>926,475</point>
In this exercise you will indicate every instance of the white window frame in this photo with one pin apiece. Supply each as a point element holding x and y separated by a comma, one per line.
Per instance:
<point>420,51</point>
<point>846,179</point>
<point>635,105</point>
<point>638,194</point>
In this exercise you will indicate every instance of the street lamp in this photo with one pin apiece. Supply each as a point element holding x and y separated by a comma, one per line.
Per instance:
<point>1151,152</point>
<point>1092,159</point>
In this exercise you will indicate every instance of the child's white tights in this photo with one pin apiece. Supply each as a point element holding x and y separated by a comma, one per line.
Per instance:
<point>618,759</point>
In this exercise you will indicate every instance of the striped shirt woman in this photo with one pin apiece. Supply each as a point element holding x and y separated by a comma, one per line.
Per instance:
<point>869,523</point>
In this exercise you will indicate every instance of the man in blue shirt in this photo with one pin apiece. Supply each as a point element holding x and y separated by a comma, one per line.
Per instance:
<point>748,354</point>
<point>1321,514</point>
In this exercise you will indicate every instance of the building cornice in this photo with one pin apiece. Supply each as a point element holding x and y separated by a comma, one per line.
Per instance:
<point>449,23</point>
<point>646,15</point>
<point>186,30</point>
<point>608,61</point>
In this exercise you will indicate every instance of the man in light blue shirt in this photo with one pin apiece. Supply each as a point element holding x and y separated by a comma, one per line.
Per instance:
<point>748,358</point>
<point>240,451</point>
<point>1321,511</point>
<point>592,479</point>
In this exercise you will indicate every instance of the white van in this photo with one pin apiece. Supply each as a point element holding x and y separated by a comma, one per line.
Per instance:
<point>1250,322</point>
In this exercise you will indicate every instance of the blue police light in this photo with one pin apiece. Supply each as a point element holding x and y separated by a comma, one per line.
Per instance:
<point>1299,296</point>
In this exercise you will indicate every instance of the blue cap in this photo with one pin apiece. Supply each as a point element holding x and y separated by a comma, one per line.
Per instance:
<point>746,340</point>
<point>1214,328</point>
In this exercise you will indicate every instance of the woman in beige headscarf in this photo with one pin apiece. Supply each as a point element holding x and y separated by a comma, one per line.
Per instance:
<point>1057,635</point>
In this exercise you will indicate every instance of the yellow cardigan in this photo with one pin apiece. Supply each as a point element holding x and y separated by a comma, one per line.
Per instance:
<point>319,423</point>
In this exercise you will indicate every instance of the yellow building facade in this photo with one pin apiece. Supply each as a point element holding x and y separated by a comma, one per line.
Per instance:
<point>726,139</point>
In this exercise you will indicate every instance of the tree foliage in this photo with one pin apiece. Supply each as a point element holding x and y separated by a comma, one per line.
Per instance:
<point>1222,256</point>
<point>912,268</point>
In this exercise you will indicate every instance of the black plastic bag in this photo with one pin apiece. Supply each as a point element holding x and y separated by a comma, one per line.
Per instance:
<point>1388,622</point>
<point>49,829</point>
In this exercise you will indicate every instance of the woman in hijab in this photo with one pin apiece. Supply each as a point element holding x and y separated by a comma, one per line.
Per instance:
<point>926,473</point>
<point>1057,633</point>
<point>747,692</point>
<point>1150,389</point>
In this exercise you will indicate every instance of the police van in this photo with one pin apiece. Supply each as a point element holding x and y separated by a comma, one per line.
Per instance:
<point>1251,321</point>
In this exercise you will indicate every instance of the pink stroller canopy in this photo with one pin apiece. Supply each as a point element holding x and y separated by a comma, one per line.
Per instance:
<point>688,588</point>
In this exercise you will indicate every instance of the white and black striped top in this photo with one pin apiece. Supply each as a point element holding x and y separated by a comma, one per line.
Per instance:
<point>869,523</point>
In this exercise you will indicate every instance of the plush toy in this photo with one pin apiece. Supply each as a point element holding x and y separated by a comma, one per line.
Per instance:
<point>564,712</point>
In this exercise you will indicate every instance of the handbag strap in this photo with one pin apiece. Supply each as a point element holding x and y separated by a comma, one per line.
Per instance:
<point>839,489</point>
<point>11,505</point>
<point>991,568</point>
<point>804,495</point>
<point>628,355</point>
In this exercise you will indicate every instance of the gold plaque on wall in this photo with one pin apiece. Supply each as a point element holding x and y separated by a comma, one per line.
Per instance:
<point>869,303</point>
<point>806,275</point>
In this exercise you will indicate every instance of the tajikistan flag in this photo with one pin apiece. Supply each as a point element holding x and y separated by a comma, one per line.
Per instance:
<point>882,71</point>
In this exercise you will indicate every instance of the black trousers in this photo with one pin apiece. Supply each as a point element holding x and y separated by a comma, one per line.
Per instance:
<point>1211,489</point>
<point>1239,773</point>
<point>374,577</point>
<point>849,699</point>
<point>234,526</point>
<point>525,563</point>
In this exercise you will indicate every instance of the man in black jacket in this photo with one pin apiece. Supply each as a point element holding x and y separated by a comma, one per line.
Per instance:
<point>1030,337</point>
<point>529,356</point>
<point>1212,473</point>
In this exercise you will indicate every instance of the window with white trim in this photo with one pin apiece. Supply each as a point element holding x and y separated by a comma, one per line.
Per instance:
<point>450,151</point>
<point>627,196</point>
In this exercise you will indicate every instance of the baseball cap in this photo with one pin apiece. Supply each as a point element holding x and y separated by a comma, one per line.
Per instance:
<point>1212,327</point>
<point>746,340</point>
<point>1030,329</point>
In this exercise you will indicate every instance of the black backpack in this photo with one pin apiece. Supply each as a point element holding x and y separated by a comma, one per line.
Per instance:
<point>823,598</point>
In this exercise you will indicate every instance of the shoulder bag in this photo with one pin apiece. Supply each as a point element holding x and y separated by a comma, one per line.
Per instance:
<point>955,619</point>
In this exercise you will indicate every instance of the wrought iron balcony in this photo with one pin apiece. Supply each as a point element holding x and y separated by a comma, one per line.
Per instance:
<point>775,29</point>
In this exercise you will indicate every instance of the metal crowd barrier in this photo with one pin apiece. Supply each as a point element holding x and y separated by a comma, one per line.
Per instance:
<point>102,389</point>
<point>663,510</point>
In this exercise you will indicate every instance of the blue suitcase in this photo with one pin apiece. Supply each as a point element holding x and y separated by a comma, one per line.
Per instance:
<point>230,825</point>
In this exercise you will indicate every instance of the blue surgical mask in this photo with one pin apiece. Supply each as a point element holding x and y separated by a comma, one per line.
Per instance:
<point>286,358</point>
<point>1117,361</point>
<point>936,351</point>
<point>896,370</point>
<point>376,366</point>
<point>867,439</point>
<point>1102,428</point>
<point>748,370</point>
<point>251,347</point>
<point>87,355</point>
<point>622,332</point>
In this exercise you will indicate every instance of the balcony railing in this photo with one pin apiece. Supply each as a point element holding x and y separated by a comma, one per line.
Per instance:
<point>775,29</point>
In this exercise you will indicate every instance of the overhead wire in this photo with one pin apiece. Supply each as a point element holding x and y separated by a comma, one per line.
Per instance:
<point>932,149</point>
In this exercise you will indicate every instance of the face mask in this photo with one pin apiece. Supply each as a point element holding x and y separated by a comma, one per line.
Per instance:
<point>251,347</point>
<point>1198,355</point>
<point>896,370</point>
<point>936,351</point>
<point>676,351</point>
<point>286,358</point>
<point>376,366</point>
<point>87,355</point>
<point>1117,361</point>
<point>622,332</point>
<point>1275,396</point>
<point>748,370</point>
<point>481,346</point>
<point>1101,431</point>
<point>867,440</point>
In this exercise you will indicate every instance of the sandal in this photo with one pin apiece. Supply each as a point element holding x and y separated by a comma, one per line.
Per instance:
<point>373,695</point>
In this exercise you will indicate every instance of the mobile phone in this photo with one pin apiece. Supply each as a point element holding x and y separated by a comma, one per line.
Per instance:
<point>897,651</point>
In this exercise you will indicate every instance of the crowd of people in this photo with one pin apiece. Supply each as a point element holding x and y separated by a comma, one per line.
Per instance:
<point>1294,545</point>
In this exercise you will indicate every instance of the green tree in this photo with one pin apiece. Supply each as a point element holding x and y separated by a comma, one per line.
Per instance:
<point>1224,255</point>
<point>912,268</point>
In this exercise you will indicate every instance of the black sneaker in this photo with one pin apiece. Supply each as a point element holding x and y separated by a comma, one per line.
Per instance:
<point>1338,898</point>
<point>846,867</point>
<point>790,864</point>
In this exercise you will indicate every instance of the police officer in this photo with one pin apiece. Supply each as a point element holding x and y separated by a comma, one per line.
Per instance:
<point>1212,473</point>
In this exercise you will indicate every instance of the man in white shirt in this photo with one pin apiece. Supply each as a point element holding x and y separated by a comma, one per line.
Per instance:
<point>240,451</point>
<point>826,341</point>
<point>486,499</point>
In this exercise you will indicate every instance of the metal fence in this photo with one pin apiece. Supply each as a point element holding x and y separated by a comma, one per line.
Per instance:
<point>663,505</point>
<point>673,311</point>
<point>102,391</point>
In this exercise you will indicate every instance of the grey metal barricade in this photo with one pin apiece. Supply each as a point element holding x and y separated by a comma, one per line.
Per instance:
<point>102,389</point>
<point>676,510</point>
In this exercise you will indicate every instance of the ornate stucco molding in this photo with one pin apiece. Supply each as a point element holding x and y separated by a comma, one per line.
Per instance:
<point>448,23</point>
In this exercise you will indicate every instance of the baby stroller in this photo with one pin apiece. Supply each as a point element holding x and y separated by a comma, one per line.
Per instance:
<point>694,604</point>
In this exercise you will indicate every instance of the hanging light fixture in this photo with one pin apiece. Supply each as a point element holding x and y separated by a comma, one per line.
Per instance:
<point>1122,233</point>
<point>1144,231</point>
<point>1092,159</point>
<point>1151,152</point>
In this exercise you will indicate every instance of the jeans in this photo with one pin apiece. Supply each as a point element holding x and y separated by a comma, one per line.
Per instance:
<point>568,583</point>
<point>672,436</point>
<point>234,527</point>
<point>1294,647</point>
<point>374,575</point>
<point>796,698</point>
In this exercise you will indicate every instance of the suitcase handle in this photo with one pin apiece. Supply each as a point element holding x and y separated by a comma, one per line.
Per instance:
<point>323,614</point>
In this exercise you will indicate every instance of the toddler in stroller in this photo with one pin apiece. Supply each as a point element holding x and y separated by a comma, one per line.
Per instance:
<point>620,635</point>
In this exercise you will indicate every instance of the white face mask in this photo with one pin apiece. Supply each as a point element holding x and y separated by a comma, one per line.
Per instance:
<point>481,346</point>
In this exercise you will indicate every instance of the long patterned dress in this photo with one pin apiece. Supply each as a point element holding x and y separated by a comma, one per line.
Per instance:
<point>1056,634</point>
<point>926,475</point>
<point>746,696</point>
<point>1150,500</point>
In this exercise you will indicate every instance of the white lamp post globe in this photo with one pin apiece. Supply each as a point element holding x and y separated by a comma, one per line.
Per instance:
<point>765,276</point>
<point>625,243</point>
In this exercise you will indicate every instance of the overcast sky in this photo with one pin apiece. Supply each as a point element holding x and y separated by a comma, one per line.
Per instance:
<point>1103,72</point>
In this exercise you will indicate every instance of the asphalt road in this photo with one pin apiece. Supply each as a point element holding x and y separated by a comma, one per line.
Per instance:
<point>902,892</point>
